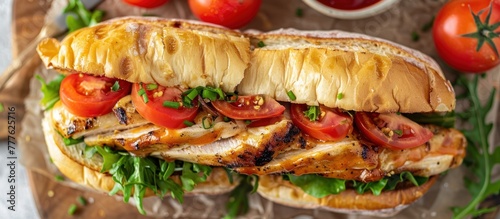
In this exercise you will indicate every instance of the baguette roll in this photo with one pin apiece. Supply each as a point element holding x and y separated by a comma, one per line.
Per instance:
<point>346,71</point>
<point>152,50</point>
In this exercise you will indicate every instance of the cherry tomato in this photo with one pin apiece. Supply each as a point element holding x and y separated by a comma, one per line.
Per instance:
<point>463,44</point>
<point>249,107</point>
<point>88,96</point>
<point>331,126</point>
<point>228,13</point>
<point>391,130</point>
<point>146,3</point>
<point>149,103</point>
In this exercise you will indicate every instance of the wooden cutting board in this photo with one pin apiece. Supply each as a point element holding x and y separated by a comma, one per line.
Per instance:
<point>51,198</point>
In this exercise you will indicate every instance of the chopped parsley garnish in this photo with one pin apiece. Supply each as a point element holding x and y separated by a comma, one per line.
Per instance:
<point>312,113</point>
<point>81,200</point>
<point>261,44</point>
<point>340,96</point>
<point>299,12</point>
<point>207,122</point>
<point>415,36</point>
<point>188,123</point>
<point>398,132</point>
<point>72,209</point>
<point>142,92</point>
<point>291,95</point>
<point>116,86</point>
<point>171,104</point>
<point>59,178</point>
<point>151,86</point>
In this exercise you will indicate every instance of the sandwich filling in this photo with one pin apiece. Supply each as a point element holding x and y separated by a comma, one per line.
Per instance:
<point>252,135</point>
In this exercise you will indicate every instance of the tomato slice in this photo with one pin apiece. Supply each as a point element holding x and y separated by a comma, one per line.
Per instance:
<point>391,130</point>
<point>88,96</point>
<point>155,112</point>
<point>265,122</point>
<point>332,126</point>
<point>249,107</point>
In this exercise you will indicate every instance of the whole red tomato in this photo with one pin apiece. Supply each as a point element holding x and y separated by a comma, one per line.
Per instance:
<point>465,34</point>
<point>146,3</point>
<point>228,13</point>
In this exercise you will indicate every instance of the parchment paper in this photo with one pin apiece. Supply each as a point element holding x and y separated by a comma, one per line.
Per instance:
<point>396,24</point>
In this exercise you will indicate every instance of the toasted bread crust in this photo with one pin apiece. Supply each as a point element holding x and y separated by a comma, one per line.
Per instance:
<point>346,71</point>
<point>152,50</point>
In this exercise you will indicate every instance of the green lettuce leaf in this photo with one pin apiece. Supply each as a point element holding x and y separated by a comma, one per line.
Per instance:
<point>318,186</point>
<point>50,91</point>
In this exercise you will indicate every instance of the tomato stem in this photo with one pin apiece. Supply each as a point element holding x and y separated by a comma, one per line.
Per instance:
<point>485,32</point>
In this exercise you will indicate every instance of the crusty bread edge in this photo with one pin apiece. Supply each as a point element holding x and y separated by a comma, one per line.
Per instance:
<point>70,165</point>
<point>389,203</point>
<point>440,96</point>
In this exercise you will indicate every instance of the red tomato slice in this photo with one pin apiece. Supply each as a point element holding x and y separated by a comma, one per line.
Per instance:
<point>89,96</point>
<point>250,107</point>
<point>265,122</point>
<point>155,112</point>
<point>332,126</point>
<point>391,130</point>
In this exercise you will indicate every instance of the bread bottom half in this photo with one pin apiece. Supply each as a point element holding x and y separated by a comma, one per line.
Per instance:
<point>388,203</point>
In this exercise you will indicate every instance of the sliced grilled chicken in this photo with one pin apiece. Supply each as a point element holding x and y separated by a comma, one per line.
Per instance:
<point>123,117</point>
<point>148,138</point>
<point>254,147</point>
<point>351,159</point>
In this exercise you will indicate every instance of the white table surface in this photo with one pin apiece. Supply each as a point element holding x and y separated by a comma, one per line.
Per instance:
<point>24,207</point>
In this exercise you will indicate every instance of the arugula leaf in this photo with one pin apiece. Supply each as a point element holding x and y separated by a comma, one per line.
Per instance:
<point>89,151</point>
<point>138,174</point>
<point>238,198</point>
<point>479,160</point>
<point>316,185</point>
<point>79,16</point>
<point>193,174</point>
<point>50,91</point>
<point>312,113</point>
<point>72,141</point>
<point>109,158</point>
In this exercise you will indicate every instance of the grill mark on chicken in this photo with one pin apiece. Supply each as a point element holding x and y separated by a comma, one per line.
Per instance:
<point>121,115</point>
<point>268,153</point>
<point>80,124</point>
<point>355,160</point>
<point>256,145</point>
<point>364,153</point>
